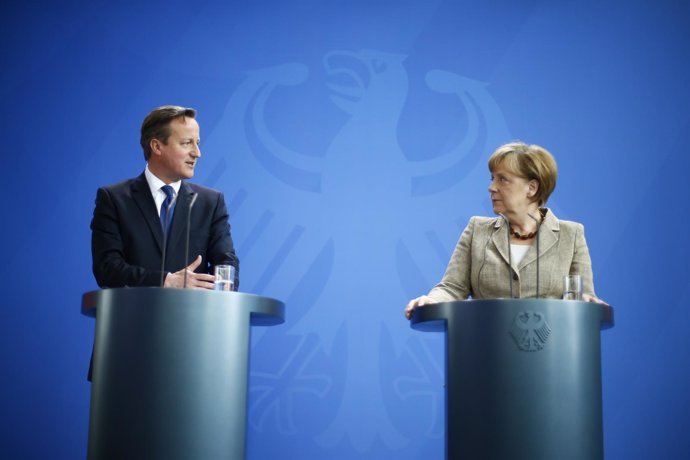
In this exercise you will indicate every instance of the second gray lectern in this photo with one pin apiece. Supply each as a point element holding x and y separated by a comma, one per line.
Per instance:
<point>523,377</point>
<point>170,371</point>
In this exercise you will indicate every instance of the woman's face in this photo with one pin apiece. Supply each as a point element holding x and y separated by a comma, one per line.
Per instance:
<point>511,194</point>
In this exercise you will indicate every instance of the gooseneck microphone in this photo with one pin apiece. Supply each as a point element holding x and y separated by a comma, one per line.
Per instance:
<point>510,257</point>
<point>538,228</point>
<point>165,238</point>
<point>186,242</point>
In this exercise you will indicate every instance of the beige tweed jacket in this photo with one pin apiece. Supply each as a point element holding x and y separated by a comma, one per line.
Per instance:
<point>479,266</point>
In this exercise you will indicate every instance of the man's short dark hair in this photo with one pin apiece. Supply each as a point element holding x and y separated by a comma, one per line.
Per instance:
<point>156,125</point>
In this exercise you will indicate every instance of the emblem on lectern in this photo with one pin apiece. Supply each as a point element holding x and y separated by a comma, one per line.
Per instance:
<point>530,330</point>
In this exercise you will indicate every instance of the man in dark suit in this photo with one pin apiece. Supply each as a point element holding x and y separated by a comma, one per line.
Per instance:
<point>132,219</point>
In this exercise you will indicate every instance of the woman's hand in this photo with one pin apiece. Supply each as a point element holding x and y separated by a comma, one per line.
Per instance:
<point>590,298</point>
<point>418,302</point>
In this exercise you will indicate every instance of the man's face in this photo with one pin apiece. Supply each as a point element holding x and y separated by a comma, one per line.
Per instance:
<point>176,159</point>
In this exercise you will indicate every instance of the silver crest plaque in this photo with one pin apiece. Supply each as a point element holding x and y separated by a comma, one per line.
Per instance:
<point>530,330</point>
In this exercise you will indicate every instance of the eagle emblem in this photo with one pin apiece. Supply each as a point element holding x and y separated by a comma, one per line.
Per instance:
<point>530,331</point>
<point>325,191</point>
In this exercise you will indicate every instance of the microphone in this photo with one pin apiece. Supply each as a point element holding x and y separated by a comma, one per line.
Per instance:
<point>538,227</point>
<point>165,238</point>
<point>510,257</point>
<point>186,242</point>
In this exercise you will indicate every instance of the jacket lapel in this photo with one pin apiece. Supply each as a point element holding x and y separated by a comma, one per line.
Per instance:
<point>141,193</point>
<point>548,237</point>
<point>500,239</point>
<point>179,220</point>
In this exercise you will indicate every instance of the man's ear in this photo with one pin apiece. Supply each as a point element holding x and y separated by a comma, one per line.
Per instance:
<point>155,146</point>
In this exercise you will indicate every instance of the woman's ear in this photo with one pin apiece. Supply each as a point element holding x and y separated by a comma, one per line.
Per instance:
<point>533,188</point>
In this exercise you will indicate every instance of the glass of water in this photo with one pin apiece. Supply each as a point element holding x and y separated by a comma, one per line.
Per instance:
<point>225,278</point>
<point>572,287</point>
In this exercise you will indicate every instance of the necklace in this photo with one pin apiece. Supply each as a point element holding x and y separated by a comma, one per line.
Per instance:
<point>517,235</point>
<point>531,235</point>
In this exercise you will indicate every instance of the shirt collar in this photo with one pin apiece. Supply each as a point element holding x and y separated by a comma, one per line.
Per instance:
<point>155,183</point>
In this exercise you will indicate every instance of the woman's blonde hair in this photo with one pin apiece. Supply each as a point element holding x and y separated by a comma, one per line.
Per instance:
<point>530,162</point>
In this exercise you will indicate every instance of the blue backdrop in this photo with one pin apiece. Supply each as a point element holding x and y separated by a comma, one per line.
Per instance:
<point>350,139</point>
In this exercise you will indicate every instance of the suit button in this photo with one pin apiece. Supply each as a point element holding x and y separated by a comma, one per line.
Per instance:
<point>515,277</point>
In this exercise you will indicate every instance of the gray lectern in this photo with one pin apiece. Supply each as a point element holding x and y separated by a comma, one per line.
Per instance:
<point>170,371</point>
<point>523,377</point>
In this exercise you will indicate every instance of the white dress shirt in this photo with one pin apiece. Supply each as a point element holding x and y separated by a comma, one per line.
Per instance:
<point>155,184</point>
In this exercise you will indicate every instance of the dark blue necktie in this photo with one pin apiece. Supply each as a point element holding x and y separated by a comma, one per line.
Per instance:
<point>167,208</point>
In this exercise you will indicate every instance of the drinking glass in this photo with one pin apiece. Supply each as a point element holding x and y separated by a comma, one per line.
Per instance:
<point>572,287</point>
<point>225,278</point>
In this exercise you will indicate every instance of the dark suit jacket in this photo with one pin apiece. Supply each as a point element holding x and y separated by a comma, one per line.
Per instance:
<point>127,239</point>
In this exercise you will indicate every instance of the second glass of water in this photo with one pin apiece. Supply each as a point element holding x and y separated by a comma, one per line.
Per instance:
<point>572,287</point>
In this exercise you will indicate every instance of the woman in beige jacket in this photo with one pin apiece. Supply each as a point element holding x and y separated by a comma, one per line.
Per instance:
<point>497,257</point>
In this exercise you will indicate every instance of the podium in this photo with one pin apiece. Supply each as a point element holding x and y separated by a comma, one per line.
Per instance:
<point>170,370</point>
<point>523,377</point>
